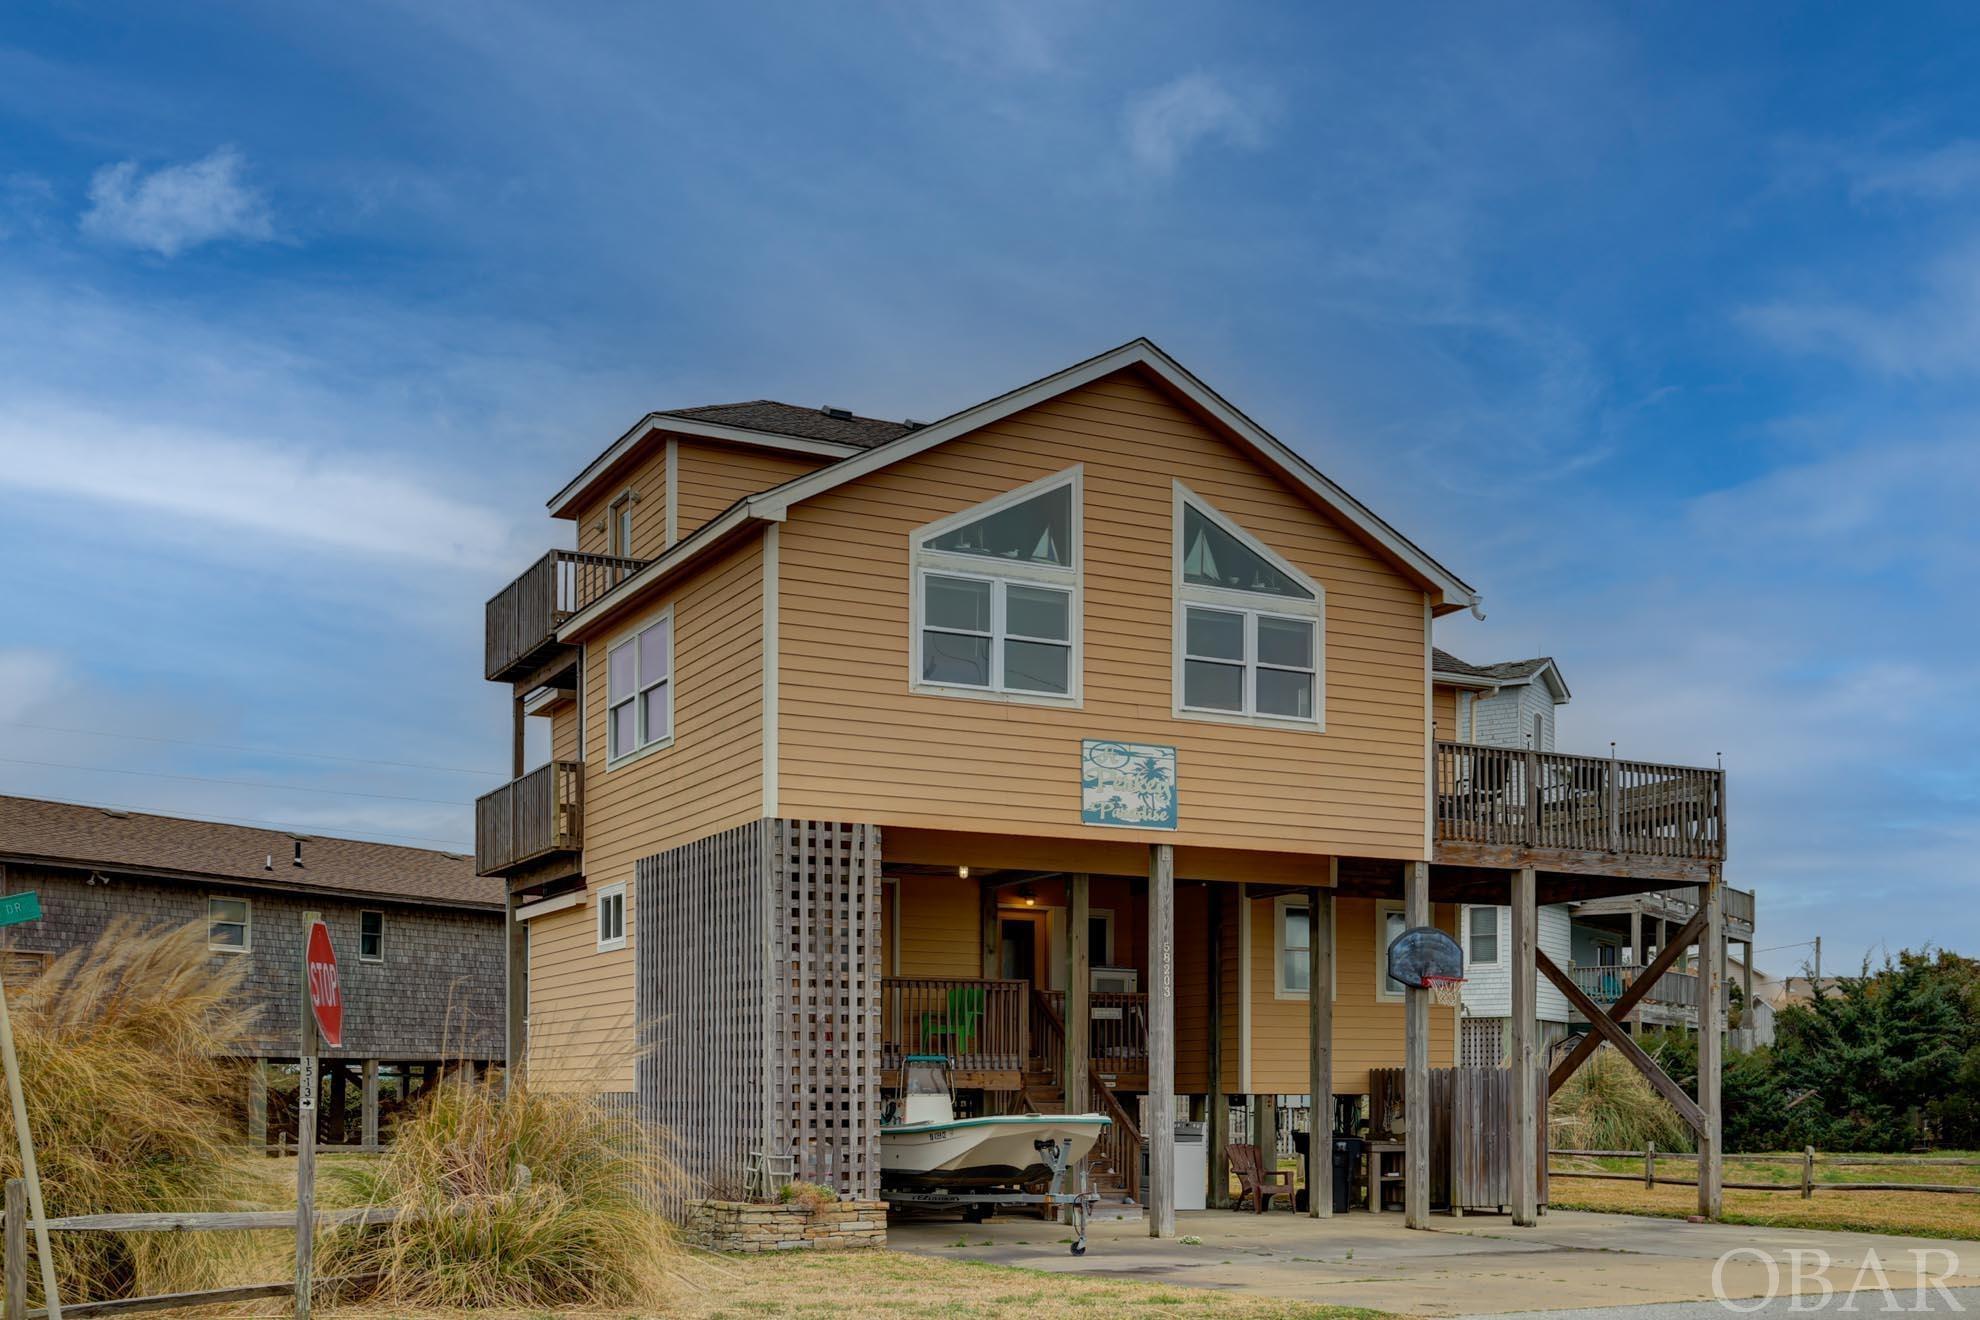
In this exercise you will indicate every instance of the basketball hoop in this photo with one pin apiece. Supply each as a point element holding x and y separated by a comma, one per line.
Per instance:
<point>1445,991</point>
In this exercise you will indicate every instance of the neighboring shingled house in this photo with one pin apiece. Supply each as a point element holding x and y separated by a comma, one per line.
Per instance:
<point>418,935</point>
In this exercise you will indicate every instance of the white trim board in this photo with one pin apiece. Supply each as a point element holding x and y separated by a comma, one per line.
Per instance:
<point>560,503</point>
<point>555,903</point>
<point>771,660</point>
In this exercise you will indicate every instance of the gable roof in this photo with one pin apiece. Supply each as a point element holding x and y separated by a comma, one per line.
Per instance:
<point>35,830</point>
<point>1503,673</point>
<point>773,505</point>
<point>773,418</point>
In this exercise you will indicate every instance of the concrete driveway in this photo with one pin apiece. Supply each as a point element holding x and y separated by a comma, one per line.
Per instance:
<point>1588,1264</point>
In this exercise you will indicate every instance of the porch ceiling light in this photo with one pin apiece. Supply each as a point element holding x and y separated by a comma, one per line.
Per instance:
<point>962,873</point>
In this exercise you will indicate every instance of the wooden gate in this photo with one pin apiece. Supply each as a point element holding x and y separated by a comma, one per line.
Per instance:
<point>1471,1133</point>
<point>757,955</point>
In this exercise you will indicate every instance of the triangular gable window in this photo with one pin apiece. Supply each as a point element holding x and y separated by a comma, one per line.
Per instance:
<point>1212,557</point>
<point>1035,531</point>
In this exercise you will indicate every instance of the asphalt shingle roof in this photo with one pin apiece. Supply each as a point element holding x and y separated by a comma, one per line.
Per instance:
<point>61,832</point>
<point>1504,671</point>
<point>790,419</point>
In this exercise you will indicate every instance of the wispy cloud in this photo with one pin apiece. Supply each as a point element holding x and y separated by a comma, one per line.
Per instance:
<point>1929,330</point>
<point>349,502</point>
<point>1168,122</point>
<point>176,207</point>
<point>1946,171</point>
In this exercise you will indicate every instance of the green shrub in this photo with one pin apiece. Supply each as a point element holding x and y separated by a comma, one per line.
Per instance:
<point>581,1227</point>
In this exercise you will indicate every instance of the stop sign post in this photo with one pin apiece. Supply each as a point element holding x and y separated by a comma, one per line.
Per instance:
<point>322,1014</point>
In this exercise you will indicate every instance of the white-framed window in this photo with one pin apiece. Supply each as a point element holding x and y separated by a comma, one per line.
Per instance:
<point>1481,936</point>
<point>996,597</point>
<point>612,917</point>
<point>1292,944</point>
<point>229,925</point>
<point>1249,627</point>
<point>639,712</point>
<point>1389,923</point>
<point>371,936</point>
<point>619,525</point>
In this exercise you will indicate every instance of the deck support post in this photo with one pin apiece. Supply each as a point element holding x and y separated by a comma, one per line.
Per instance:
<point>1525,1049</point>
<point>515,967</point>
<point>516,754</point>
<point>1161,1133</point>
<point>257,1080</point>
<point>1711,1042</point>
<point>993,957</point>
<point>1220,1100</point>
<point>1320,1053</point>
<point>1079,994</point>
<point>1265,1128</point>
<point>1416,1060</point>
<point>371,1102</point>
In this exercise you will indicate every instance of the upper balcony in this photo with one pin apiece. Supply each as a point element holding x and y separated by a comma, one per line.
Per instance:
<point>523,617</point>
<point>532,826</point>
<point>1508,806</point>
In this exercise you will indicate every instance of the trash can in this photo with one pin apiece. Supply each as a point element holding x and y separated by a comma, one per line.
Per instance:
<point>1192,1168</point>
<point>1348,1154</point>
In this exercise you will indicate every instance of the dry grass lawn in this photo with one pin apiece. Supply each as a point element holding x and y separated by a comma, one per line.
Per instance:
<point>892,1283</point>
<point>1921,1214</point>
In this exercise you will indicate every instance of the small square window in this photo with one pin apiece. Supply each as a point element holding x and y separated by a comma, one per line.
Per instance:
<point>371,937</point>
<point>229,925</point>
<point>612,917</point>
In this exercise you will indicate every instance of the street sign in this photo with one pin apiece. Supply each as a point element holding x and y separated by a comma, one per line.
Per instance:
<point>325,999</point>
<point>16,908</point>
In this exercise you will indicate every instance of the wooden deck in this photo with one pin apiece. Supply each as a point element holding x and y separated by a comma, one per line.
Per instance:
<point>993,1033</point>
<point>522,618</point>
<point>1675,905</point>
<point>1673,998</point>
<point>1507,807</point>
<point>530,820</point>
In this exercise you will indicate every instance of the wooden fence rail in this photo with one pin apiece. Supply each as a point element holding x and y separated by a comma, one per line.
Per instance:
<point>1808,1160</point>
<point>221,1221</point>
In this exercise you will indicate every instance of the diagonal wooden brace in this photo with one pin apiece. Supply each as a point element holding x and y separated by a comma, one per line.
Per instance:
<point>1612,1032</point>
<point>1631,995</point>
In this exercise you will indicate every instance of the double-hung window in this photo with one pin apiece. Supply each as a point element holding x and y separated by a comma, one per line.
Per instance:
<point>229,925</point>
<point>612,917</point>
<point>1482,936</point>
<point>996,597</point>
<point>640,678</point>
<point>1248,627</point>
<point>371,936</point>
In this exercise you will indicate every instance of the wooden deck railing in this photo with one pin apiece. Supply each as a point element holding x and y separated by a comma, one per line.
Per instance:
<point>522,617</point>
<point>1509,796</point>
<point>1119,1147</point>
<point>1605,984</point>
<point>983,1026</point>
<point>1118,1039</point>
<point>531,817</point>
<point>1678,903</point>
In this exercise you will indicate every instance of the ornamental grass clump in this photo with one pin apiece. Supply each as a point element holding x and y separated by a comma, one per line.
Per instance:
<point>133,1103</point>
<point>1607,1105</point>
<point>516,1200</point>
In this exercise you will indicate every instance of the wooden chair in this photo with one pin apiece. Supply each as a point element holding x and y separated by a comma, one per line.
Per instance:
<point>1257,1183</point>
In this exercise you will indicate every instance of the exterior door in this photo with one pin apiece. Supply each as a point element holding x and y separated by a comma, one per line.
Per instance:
<point>1021,936</point>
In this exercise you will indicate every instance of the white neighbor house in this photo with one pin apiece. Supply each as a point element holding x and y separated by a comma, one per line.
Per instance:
<point>1510,704</point>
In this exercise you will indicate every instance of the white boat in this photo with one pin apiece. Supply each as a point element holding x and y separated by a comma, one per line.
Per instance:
<point>932,1148</point>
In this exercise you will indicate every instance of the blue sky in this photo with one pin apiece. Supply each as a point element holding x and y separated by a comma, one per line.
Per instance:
<point>1660,324</point>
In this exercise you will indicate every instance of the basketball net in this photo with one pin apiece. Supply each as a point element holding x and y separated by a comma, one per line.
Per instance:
<point>1445,991</point>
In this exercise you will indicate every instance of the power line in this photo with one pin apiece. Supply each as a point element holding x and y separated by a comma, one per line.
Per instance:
<point>1798,944</point>
<point>258,751</point>
<point>288,826</point>
<point>235,783</point>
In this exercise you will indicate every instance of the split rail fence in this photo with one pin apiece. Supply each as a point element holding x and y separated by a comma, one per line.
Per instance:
<point>1808,1160</point>
<point>16,1254</point>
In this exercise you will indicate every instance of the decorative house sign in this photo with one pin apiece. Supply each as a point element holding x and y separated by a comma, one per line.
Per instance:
<point>1129,784</point>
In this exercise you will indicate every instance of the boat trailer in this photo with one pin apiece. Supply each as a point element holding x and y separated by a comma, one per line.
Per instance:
<point>978,1206</point>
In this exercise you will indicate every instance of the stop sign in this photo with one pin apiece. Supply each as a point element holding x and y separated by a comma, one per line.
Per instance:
<point>325,998</point>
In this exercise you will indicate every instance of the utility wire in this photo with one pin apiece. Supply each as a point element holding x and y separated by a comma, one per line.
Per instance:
<point>1798,944</point>
<point>287,826</point>
<point>258,751</point>
<point>235,783</point>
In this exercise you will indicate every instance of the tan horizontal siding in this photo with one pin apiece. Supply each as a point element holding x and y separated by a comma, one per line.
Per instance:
<point>710,476</point>
<point>856,744</point>
<point>646,477</point>
<point>1443,711</point>
<point>709,779</point>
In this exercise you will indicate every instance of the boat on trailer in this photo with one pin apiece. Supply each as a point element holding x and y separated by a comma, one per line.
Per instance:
<point>931,1159</point>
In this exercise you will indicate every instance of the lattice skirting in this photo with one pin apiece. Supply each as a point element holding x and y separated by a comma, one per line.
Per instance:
<point>758,969</point>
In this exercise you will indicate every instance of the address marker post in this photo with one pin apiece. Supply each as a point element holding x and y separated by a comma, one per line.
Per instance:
<point>14,909</point>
